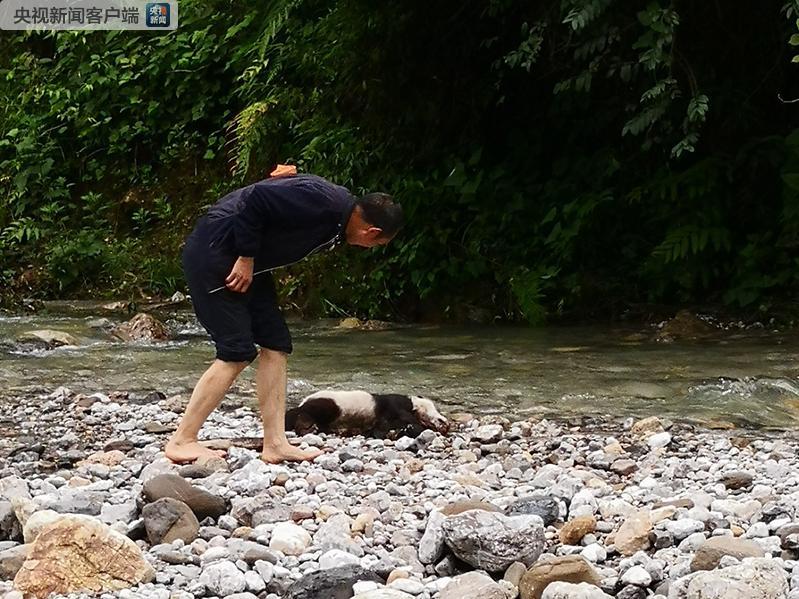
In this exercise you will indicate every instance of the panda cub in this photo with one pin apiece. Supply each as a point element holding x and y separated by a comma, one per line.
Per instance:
<point>360,412</point>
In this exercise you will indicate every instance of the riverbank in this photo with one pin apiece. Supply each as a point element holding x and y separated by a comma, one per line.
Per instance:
<point>629,508</point>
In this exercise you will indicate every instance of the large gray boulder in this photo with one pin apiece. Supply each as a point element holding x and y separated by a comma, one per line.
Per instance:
<point>492,541</point>
<point>755,578</point>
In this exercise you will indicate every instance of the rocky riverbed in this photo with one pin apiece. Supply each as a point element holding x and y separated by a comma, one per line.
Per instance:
<point>494,510</point>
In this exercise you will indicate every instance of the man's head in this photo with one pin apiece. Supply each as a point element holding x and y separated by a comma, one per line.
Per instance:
<point>374,221</point>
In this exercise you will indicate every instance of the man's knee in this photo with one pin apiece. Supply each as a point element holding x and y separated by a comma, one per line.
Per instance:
<point>273,355</point>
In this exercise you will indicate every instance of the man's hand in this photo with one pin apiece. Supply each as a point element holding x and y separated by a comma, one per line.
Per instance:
<point>240,276</point>
<point>283,170</point>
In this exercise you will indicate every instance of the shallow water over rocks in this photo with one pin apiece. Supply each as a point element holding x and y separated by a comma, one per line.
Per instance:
<point>748,378</point>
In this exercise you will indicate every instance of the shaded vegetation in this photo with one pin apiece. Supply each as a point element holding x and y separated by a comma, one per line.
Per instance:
<point>555,158</point>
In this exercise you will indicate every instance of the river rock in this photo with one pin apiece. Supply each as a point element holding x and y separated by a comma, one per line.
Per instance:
<point>711,551</point>
<point>574,530</point>
<point>685,325</point>
<point>488,433</point>
<point>10,528</point>
<point>633,534</point>
<point>201,502</point>
<point>289,539</point>
<point>493,541</point>
<point>48,338</point>
<point>757,578</point>
<point>647,426</point>
<point>73,554</point>
<point>11,561</point>
<point>472,585</point>
<point>168,519</point>
<point>336,533</point>
<point>737,480</point>
<point>566,590</point>
<point>458,507</point>
<point>223,578</point>
<point>335,583</point>
<point>432,544</point>
<point>383,594</point>
<point>570,568</point>
<point>546,508</point>
<point>142,327</point>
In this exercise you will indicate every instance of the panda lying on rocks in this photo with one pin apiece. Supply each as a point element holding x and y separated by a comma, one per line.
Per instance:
<point>360,412</point>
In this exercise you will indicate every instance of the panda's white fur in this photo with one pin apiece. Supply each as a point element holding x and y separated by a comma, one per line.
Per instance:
<point>352,403</point>
<point>426,410</point>
<point>361,407</point>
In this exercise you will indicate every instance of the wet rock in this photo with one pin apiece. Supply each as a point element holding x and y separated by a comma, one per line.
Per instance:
<point>711,551</point>
<point>334,583</point>
<point>546,508</point>
<point>74,554</point>
<point>684,326</point>
<point>571,568</point>
<point>574,530</point>
<point>142,327</point>
<point>195,471</point>
<point>48,338</point>
<point>168,519</point>
<point>493,541</point>
<point>753,579</point>
<point>201,502</point>
<point>472,585</point>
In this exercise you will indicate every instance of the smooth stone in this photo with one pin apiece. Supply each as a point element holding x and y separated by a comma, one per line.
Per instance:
<point>472,585</point>
<point>335,583</point>
<point>202,503</point>
<point>458,507</point>
<point>571,568</point>
<point>289,538</point>
<point>567,590</point>
<point>547,508</point>
<point>711,551</point>
<point>167,519</point>
<point>574,530</point>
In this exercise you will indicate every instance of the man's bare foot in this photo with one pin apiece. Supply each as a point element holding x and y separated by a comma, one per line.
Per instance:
<point>275,454</point>
<point>189,451</point>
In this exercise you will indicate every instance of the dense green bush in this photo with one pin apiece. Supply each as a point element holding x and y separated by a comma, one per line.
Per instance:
<point>562,157</point>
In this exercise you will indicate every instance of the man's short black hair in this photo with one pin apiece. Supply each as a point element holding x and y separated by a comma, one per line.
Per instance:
<point>381,211</point>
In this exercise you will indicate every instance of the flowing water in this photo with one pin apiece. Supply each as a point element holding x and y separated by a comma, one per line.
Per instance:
<point>747,378</point>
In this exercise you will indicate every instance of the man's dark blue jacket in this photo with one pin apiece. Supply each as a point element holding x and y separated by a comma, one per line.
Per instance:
<point>280,221</point>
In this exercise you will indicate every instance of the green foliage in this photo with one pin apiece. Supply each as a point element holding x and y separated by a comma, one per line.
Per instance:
<point>553,158</point>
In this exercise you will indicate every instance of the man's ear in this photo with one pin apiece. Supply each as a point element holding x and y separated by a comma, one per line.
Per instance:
<point>374,232</point>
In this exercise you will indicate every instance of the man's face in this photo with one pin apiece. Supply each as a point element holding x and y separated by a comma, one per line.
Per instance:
<point>367,237</point>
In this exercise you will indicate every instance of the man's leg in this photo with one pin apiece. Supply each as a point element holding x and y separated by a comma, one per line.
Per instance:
<point>207,394</point>
<point>271,384</point>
